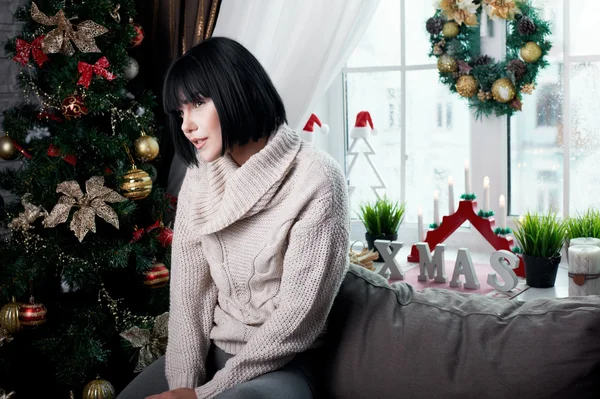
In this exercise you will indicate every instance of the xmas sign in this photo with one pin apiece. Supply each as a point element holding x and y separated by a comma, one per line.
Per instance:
<point>433,266</point>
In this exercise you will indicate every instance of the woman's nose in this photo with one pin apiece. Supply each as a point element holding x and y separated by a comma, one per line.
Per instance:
<point>188,126</point>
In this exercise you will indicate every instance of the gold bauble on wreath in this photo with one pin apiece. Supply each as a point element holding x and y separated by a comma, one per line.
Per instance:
<point>137,184</point>
<point>9,316</point>
<point>446,63</point>
<point>503,90</point>
<point>146,148</point>
<point>8,151</point>
<point>450,30</point>
<point>467,86</point>
<point>531,52</point>
<point>98,389</point>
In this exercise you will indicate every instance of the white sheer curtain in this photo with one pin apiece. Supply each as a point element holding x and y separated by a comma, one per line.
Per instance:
<point>302,44</point>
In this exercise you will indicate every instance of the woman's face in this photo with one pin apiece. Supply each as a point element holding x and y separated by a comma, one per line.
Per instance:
<point>202,128</point>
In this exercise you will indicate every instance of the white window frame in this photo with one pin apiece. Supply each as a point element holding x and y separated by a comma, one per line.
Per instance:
<point>489,137</point>
<point>489,156</point>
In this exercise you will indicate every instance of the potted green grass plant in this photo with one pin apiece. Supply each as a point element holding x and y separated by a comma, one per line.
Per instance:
<point>381,220</point>
<point>541,237</point>
<point>584,225</point>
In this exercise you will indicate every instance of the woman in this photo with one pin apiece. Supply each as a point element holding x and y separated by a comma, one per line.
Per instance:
<point>261,237</point>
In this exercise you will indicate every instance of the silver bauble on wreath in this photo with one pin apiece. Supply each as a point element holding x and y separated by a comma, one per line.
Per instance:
<point>131,71</point>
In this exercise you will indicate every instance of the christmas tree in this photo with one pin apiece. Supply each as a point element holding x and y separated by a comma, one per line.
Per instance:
<point>84,262</point>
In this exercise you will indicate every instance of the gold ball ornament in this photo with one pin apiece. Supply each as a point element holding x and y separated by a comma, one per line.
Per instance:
<point>467,86</point>
<point>146,148</point>
<point>9,316</point>
<point>157,276</point>
<point>32,314</point>
<point>137,184</point>
<point>8,151</point>
<point>98,389</point>
<point>446,63</point>
<point>450,30</point>
<point>503,90</point>
<point>73,107</point>
<point>531,52</point>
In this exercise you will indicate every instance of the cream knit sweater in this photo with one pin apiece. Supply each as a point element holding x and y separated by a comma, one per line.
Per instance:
<point>259,253</point>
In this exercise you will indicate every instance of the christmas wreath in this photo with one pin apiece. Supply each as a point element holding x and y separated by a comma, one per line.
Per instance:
<point>492,87</point>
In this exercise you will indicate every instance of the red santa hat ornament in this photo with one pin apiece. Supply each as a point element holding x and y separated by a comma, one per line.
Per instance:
<point>363,126</point>
<point>308,132</point>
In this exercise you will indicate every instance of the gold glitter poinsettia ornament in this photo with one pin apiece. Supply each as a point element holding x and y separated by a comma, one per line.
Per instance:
<point>4,336</point>
<point>461,11</point>
<point>31,214</point>
<point>4,395</point>
<point>501,9</point>
<point>59,39</point>
<point>90,204</point>
<point>152,344</point>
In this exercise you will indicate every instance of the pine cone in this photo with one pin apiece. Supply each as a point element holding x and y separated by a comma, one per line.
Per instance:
<point>434,25</point>
<point>526,27</point>
<point>518,68</point>
<point>483,60</point>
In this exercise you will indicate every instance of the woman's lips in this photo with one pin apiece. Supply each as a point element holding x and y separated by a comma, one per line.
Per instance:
<point>199,143</point>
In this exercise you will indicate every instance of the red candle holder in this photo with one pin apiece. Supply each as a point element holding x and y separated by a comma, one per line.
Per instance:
<point>466,211</point>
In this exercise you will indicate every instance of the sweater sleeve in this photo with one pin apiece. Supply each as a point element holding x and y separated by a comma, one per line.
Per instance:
<point>315,262</point>
<point>193,296</point>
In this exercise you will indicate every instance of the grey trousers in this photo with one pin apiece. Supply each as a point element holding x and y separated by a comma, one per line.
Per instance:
<point>299,379</point>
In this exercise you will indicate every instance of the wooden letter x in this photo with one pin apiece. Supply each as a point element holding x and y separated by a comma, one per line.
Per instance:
<point>389,257</point>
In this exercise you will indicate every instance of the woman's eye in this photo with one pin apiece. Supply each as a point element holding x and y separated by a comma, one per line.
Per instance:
<point>198,104</point>
<point>180,114</point>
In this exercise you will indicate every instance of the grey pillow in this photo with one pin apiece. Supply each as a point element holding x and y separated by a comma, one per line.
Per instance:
<point>389,341</point>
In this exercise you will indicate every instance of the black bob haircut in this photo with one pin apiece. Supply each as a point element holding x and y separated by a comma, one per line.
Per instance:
<point>223,70</point>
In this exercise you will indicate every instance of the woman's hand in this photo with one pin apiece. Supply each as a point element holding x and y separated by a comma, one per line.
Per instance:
<point>180,393</point>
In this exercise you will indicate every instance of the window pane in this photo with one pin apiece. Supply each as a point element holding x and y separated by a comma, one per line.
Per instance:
<point>380,45</point>
<point>585,136</point>
<point>417,38</point>
<point>378,93</point>
<point>583,19</point>
<point>537,147</point>
<point>434,152</point>
<point>536,140</point>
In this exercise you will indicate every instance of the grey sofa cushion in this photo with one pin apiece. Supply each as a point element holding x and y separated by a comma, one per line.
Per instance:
<point>393,342</point>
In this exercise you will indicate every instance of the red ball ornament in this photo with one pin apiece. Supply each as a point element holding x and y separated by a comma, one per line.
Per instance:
<point>32,314</point>
<point>157,276</point>
<point>165,238</point>
<point>73,107</point>
<point>139,35</point>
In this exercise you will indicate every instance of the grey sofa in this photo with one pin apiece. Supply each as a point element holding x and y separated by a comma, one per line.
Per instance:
<point>389,341</point>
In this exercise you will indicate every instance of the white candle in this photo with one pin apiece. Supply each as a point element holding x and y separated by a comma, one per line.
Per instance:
<point>467,178</point>
<point>486,194</point>
<point>451,207</point>
<point>436,207</point>
<point>420,222</point>
<point>584,259</point>
<point>502,202</point>
<point>585,241</point>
